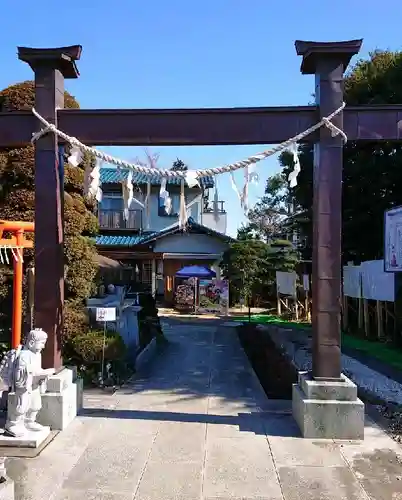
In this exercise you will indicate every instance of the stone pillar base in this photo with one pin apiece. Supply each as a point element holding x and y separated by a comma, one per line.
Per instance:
<point>7,489</point>
<point>59,403</point>
<point>327,409</point>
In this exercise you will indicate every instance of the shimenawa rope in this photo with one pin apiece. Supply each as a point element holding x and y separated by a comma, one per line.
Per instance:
<point>194,174</point>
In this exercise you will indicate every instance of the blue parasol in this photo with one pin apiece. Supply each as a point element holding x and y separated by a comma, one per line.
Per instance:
<point>196,272</point>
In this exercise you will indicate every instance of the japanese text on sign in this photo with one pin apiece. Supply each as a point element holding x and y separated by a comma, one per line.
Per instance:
<point>105,314</point>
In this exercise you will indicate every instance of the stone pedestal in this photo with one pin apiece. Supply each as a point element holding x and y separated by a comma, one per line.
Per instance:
<point>59,403</point>
<point>6,488</point>
<point>327,409</point>
<point>31,439</point>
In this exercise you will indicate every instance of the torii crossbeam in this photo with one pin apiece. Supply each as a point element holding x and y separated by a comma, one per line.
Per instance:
<point>327,61</point>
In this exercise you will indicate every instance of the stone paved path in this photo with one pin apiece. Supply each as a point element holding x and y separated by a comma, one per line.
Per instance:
<point>197,425</point>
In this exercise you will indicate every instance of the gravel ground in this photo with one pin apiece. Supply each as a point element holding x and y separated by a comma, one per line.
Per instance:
<point>375,387</point>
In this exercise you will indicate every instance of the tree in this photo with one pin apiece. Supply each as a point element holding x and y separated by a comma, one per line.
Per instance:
<point>247,232</point>
<point>283,256</point>
<point>17,202</point>
<point>372,170</point>
<point>250,265</point>
<point>151,159</point>
<point>179,166</point>
<point>266,219</point>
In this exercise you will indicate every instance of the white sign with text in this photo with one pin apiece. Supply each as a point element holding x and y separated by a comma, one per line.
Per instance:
<point>105,314</point>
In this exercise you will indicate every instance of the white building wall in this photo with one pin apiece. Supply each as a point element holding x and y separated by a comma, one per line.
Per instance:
<point>220,225</point>
<point>158,222</point>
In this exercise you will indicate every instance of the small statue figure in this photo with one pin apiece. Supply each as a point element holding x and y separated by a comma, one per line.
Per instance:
<point>21,370</point>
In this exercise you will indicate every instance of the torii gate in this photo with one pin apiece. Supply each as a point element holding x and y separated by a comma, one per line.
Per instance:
<point>168,127</point>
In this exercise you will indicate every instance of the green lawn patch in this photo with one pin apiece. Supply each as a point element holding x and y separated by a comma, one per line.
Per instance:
<point>270,318</point>
<point>386,353</point>
<point>389,355</point>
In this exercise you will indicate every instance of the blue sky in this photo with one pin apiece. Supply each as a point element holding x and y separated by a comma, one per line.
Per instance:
<point>181,53</point>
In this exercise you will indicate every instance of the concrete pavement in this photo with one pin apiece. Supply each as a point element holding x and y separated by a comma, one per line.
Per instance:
<point>196,424</point>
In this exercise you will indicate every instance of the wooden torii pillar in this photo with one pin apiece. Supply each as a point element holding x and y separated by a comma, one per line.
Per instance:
<point>327,61</point>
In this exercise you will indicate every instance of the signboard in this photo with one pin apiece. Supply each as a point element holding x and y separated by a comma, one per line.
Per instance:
<point>105,314</point>
<point>184,295</point>
<point>352,281</point>
<point>393,240</point>
<point>377,284</point>
<point>306,282</point>
<point>213,296</point>
<point>286,283</point>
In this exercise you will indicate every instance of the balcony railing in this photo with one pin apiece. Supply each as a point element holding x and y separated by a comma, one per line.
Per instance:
<point>209,207</point>
<point>113,219</point>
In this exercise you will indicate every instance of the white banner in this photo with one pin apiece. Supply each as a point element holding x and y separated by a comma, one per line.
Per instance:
<point>105,314</point>
<point>306,282</point>
<point>376,283</point>
<point>286,283</point>
<point>352,281</point>
<point>393,240</point>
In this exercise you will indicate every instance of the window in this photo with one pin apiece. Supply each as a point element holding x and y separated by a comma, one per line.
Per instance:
<point>111,202</point>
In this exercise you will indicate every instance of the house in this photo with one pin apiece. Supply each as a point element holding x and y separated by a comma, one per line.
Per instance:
<point>153,248</point>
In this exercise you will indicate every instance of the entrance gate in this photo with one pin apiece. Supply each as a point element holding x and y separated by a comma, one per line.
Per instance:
<point>327,61</point>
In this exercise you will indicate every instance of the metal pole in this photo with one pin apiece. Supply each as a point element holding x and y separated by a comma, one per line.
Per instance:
<point>103,351</point>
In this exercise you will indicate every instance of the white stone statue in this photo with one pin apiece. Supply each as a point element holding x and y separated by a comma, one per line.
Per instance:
<point>21,370</point>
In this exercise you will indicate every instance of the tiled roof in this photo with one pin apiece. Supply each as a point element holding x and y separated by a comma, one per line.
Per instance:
<point>141,239</point>
<point>111,175</point>
<point>119,241</point>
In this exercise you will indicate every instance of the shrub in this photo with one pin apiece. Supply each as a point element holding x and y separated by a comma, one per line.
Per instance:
<point>17,202</point>
<point>75,320</point>
<point>86,352</point>
<point>89,346</point>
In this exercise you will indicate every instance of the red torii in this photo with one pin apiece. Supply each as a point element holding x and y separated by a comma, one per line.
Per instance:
<point>16,241</point>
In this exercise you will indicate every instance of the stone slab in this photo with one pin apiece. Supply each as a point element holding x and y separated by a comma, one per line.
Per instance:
<point>7,489</point>
<point>240,468</point>
<point>295,452</point>
<point>326,483</point>
<point>67,494</point>
<point>113,462</point>
<point>59,409</point>
<point>32,439</point>
<point>60,381</point>
<point>329,419</point>
<point>345,390</point>
<point>170,447</point>
<point>171,481</point>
